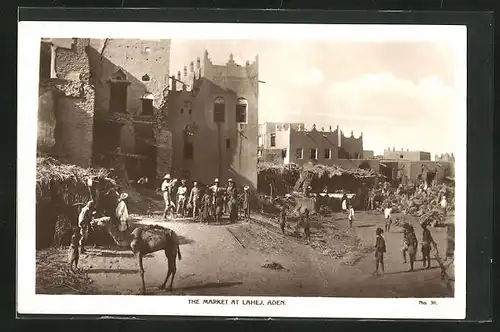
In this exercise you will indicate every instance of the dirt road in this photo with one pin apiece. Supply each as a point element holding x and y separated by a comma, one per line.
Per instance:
<point>229,260</point>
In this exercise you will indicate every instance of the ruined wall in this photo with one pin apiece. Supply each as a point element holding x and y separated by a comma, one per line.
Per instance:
<point>77,133</point>
<point>46,121</point>
<point>225,150</point>
<point>145,65</point>
<point>136,58</point>
<point>73,101</point>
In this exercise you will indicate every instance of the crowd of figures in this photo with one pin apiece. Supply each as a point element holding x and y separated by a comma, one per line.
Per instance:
<point>383,194</point>
<point>204,203</point>
<point>409,247</point>
<point>109,205</point>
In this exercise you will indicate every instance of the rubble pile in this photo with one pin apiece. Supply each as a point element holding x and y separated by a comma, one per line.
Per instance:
<point>424,204</point>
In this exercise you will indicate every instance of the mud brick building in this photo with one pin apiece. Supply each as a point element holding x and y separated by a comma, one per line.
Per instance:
<point>103,97</point>
<point>131,84</point>
<point>213,117</point>
<point>66,101</point>
<point>109,101</point>
<point>300,145</point>
<point>407,155</point>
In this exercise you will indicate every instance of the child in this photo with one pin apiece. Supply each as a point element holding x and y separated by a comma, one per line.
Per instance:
<point>282,219</point>
<point>73,252</point>
<point>379,250</point>
<point>412,246</point>
<point>350,210</point>
<point>406,242</point>
<point>246,203</point>
<point>427,241</point>
<point>388,217</point>
<point>304,220</point>
<point>344,203</point>
<point>205,206</point>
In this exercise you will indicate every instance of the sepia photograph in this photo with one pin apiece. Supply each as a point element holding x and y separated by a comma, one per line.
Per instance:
<point>258,170</point>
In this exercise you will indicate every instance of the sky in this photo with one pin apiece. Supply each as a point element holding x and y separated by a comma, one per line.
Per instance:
<point>398,94</point>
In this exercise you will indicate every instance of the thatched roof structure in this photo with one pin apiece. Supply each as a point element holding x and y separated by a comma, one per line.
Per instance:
<point>65,179</point>
<point>333,176</point>
<point>59,187</point>
<point>281,176</point>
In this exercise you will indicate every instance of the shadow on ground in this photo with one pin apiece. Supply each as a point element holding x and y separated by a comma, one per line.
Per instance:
<point>184,240</point>
<point>118,271</point>
<point>211,285</point>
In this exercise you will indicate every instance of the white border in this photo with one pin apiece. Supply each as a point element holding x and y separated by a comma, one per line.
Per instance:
<point>30,303</point>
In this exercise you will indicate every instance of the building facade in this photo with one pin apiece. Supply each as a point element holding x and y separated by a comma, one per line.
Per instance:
<point>213,117</point>
<point>407,155</point>
<point>445,157</point>
<point>301,146</point>
<point>368,154</point>
<point>104,97</point>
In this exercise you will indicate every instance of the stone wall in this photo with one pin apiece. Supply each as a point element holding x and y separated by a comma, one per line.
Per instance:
<point>46,121</point>
<point>72,104</point>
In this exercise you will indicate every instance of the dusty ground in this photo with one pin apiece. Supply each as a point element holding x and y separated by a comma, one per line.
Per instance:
<point>232,259</point>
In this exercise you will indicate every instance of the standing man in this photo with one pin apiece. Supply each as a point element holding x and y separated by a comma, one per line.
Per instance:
<point>232,197</point>
<point>412,246</point>
<point>166,188</point>
<point>344,202</point>
<point>194,199</point>
<point>371,199</point>
<point>84,219</point>
<point>181,198</point>
<point>380,250</point>
<point>444,204</point>
<point>217,200</point>
<point>427,242</point>
<point>350,216</point>
<point>122,212</point>
<point>388,217</point>
<point>246,203</point>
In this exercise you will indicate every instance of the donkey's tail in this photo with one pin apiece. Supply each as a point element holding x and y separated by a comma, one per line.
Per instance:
<point>179,251</point>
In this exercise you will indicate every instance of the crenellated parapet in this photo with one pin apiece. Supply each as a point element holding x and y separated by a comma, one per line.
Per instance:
<point>191,74</point>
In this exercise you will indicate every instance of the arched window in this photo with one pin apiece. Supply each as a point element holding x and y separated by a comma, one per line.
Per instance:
<point>241,110</point>
<point>219,110</point>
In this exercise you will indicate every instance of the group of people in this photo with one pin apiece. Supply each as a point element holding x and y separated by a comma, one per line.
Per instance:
<point>87,213</point>
<point>206,203</point>
<point>410,247</point>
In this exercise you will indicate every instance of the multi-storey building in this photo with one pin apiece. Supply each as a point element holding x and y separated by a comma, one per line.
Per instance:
<point>213,117</point>
<point>299,145</point>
